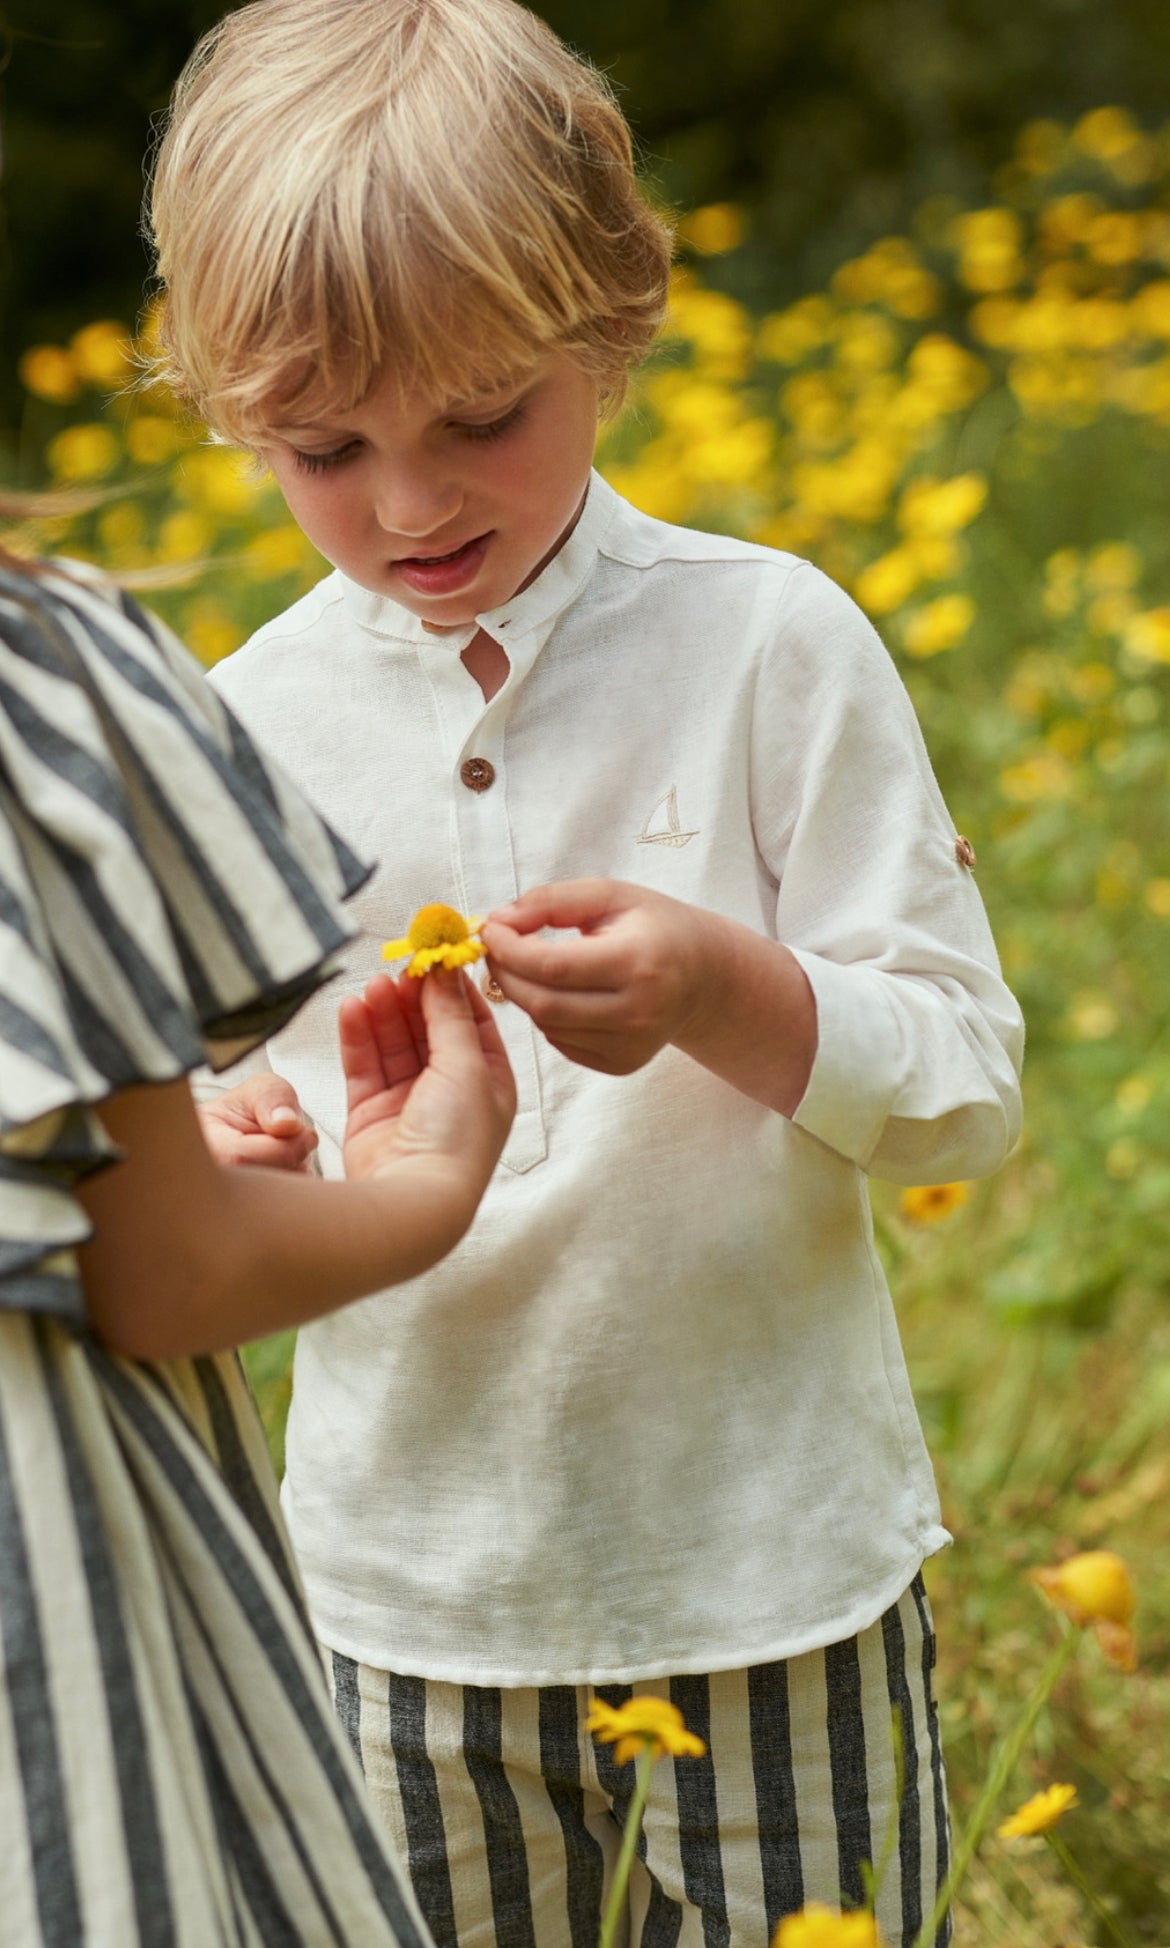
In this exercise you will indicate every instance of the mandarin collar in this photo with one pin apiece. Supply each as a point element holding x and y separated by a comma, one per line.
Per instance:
<point>534,610</point>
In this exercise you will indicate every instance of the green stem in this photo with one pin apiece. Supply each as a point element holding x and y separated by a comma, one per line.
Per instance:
<point>1005,1763</point>
<point>644,1765</point>
<point>1078,1880</point>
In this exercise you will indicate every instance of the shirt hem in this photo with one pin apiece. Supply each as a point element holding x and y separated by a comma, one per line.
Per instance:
<point>705,1662</point>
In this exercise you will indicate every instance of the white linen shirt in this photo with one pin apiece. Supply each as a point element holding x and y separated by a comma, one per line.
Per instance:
<point>652,1415</point>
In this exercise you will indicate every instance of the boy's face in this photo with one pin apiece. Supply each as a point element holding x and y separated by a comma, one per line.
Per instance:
<point>451,510</point>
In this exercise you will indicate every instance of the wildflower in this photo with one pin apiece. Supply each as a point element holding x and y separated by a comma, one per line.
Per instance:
<point>436,937</point>
<point>643,1723</point>
<point>83,452</point>
<point>49,372</point>
<point>887,582</point>
<point>939,625</point>
<point>1091,1017</point>
<point>713,229</point>
<point>1096,1588</point>
<point>818,1926</point>
<point>927,1203</point>
<point>1037,1814</point>
<point>102,353</point>
<point>151,439</point>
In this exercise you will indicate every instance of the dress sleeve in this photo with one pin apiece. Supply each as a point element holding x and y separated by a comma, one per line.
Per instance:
<point>916,1077</point>
<point>167,897</point>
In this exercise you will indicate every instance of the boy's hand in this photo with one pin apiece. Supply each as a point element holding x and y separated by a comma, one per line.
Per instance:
<point>427,1078</point>
<point>629,982</point>
<point>259,1122</point>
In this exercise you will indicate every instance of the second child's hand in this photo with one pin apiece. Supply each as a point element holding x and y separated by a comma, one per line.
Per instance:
<point>632,971</point>
<point>426,1077</point>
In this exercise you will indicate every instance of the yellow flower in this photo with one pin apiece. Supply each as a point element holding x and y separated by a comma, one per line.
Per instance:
<point>151,439</point>
<point>930,506</point>
<point>713,229</point>
<point>436,937</point>
<point>1148,636</point>
<point>887,582</point>
<point>927,1203</point>
<point>1091,1016</point>
<point>640,1724</point>
<point>1037,1814</point>
<point>1096,1588</point>
<point>83,452</point>
<point>939,625</point>
<point>49,371</point>
<point>103,353</point>
<point>818,1926</point>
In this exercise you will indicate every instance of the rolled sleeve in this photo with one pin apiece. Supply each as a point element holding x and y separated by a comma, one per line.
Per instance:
<point>916,1076</point>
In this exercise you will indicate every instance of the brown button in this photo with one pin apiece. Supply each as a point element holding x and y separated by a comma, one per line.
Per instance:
<point>492,988</point>
<point>477,774</point>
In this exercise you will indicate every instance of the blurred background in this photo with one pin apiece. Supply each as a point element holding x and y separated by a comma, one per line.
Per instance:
<point>920,333</point>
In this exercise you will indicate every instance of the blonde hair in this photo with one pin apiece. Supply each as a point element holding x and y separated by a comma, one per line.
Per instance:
<point>437,188</point>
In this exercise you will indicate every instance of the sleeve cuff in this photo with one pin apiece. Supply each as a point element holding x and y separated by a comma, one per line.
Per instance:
<point>859,1056</point>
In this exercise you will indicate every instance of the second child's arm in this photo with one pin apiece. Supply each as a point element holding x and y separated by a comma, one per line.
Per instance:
<point>188,1256</point>
<point>642,971</point>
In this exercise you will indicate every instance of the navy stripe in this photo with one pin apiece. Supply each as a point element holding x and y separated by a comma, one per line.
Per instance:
<point>663,1923</point>
<point>507,1857</point>
<point>422,1811</point>
<point>347,1701</point>
<point>560,1765</point>
<point>254,1606</point>
<point>141,1833</point>
<point>228,1704</point>
<point>846,1730</point>
<point>698,1815</point>
<point>770,1731</point>
<point>909,1808</point>
<point>261,1894</point>
<point>141,678</point>
<point>74,763</point>
<point>942,1828</point>
<point>53,648</point>
<point>238,1473</point>
<point>33,1726</point>
<point>25,1034</point>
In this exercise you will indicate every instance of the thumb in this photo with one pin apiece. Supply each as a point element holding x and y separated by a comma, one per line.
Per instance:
<point>275,1105</point>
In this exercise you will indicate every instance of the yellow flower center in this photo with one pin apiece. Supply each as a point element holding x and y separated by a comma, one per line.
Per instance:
<point>436,926</point>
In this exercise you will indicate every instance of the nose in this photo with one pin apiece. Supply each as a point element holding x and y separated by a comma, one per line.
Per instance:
<point>416,500</point>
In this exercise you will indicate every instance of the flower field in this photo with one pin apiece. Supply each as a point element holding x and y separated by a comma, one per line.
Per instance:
<point>970,430</point>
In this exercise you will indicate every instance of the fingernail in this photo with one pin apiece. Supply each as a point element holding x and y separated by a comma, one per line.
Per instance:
<point>283,1114</point>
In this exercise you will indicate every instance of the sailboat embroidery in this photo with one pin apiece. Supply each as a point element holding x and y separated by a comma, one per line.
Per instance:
<point>670,832</point>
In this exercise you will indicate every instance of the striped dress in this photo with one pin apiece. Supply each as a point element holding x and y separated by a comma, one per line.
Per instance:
<point>171,1774</point>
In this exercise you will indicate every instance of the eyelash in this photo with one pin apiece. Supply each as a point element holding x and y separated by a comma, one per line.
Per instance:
<point>496,427</point>
<point>493,430</point>
<point>320,462</point>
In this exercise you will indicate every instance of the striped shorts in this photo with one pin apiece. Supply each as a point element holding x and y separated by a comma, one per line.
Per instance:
<point>509,1816</point>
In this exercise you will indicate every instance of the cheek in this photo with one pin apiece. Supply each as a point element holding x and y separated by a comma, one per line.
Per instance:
<point>317,506</point>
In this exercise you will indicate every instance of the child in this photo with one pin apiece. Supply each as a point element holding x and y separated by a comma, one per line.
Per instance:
<point>170,1768</point>
<point>650,1427</point>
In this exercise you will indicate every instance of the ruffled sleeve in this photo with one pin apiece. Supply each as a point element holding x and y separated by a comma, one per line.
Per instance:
<point>167,897</point>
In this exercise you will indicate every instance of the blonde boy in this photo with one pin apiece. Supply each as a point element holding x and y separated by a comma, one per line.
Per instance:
<point>650,1427</point>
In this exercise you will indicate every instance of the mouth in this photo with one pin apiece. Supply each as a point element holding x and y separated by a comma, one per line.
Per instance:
<point>447,573</point>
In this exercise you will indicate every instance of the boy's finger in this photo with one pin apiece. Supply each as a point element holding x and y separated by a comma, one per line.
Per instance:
<point>587,963</point>
<point>565,903</point>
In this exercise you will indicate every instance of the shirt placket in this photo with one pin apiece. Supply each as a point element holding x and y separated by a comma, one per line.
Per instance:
<point>475,736</point>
